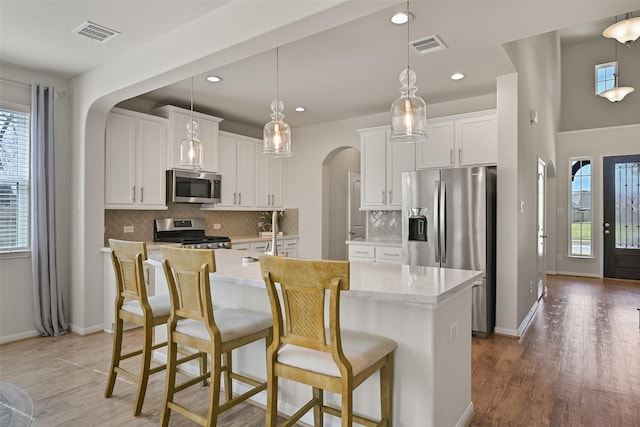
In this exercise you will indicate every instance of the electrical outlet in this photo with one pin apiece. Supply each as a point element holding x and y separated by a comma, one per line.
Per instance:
<point>454,331</point>
<point>216,226</point>
<point>530,286</point>
<point>128,228</point>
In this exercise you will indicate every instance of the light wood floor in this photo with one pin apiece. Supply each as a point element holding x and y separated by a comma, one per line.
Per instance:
<point>578,364</point>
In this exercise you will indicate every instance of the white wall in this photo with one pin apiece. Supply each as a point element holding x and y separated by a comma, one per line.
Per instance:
<point>596,143</point>
<point>581,108</point>
<point>16,289</point>
<point>537,60</point>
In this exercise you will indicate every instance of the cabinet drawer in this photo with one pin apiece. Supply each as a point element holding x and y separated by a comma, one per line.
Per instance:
<point>260,246</point>
<point>361,251</point>
<point>241,246</point>
<point>389,253</point>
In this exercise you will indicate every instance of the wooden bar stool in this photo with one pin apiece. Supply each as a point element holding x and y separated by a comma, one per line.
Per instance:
<point>306,351</point>
<point>133,305</point>
<point>193,323</point>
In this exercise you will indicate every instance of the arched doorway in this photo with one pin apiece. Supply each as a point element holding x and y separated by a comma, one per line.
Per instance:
<point>335,184</point>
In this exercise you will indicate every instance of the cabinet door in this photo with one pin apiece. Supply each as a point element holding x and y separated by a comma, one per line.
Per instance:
<point>263,191</point>
<point>120,161</point>
<point>178,127</point>
<point>152,137</point>
<point>227,154</point>
<point>275,172</point>
<point>437,150</point>
<point>477,141</point>
<point>246,172</point>
<point>400,158</point>
<point>208,135</point>
<point>373,147</point>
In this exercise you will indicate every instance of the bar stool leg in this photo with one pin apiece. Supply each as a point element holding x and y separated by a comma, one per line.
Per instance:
<point>115,357</point>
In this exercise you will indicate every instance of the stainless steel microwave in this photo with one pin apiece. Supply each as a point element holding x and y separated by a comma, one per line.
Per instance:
<point>193,187</point>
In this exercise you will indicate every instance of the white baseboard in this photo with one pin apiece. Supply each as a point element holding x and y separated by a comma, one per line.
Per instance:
<point>86,331</point>
<point>18,337</point>
<point>465,419</point>
<point>523,326</point>
<point>573,273</point>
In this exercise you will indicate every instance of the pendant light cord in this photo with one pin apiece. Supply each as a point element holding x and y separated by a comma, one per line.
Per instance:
<point>277,71</point>
<point>192,100</point>
<point>408,20</point>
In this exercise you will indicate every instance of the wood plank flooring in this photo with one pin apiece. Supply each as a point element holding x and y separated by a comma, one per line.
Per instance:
<point>578,364</point>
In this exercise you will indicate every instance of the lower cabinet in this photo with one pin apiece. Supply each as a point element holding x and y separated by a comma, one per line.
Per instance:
<point>286,246</point>
<point>375,253</point>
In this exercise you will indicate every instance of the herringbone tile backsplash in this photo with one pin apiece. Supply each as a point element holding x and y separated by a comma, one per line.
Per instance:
<point>384,225</point>
<point>232,223</point>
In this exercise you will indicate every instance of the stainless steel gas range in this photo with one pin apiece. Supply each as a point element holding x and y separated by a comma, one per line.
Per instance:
<point>189,232</point>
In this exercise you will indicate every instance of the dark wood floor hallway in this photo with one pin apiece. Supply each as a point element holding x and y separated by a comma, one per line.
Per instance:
<point>577,364</point>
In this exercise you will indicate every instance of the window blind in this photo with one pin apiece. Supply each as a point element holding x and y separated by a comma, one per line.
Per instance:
<point>14,180</point>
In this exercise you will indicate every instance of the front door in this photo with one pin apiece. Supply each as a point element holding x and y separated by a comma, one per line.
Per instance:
<point>621,208</point>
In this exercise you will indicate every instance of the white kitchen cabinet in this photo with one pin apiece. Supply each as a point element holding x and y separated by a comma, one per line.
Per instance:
<point>135,147</point>
<point>382,164</point>
<point>241,246</point>
<point>390,254</point>
<point>461,140</point>
<point>268,180</point>
<point>238,170</point>
<point>364,253</point>
<point>207,134</point>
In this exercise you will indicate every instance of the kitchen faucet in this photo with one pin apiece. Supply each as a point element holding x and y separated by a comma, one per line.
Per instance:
<point>274,232</point>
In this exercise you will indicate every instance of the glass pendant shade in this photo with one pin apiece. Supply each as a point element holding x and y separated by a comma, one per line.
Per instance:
<point>277,133</point>
<point>191,148</point>
<point>409,112</point>
<point>625,31</point>
<point>617,94</point>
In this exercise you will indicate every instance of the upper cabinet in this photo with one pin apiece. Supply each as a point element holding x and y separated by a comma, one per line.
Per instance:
<point>382,163</point>
<point>238,170</point>
<point>135,147</point>
<point>207,134</point>
<point>462,140</point>
<point>268,180</point>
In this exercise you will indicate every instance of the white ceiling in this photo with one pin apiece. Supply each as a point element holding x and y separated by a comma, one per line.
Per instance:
<point>349,70</point>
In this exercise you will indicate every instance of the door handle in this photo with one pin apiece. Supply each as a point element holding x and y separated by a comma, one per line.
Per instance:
<point>141,194</point>
<point>133,193</point>
<point>607,232</point>
<point>436,222</point>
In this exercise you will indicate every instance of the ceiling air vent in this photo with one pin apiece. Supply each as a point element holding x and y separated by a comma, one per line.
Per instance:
<point>428,45</point>
<point>96,32</point>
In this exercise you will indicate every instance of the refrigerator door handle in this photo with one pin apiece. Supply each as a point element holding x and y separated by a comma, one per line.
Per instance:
<point>443,222</point>
<point>436,223</point>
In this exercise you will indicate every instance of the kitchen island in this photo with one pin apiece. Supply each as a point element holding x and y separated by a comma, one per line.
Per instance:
<point>426,310</point>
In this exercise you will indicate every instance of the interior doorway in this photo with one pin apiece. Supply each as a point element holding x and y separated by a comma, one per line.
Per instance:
<point>621,216</point>
<point>541,220</point>
<point>335,182</point>
<point>355,217</point>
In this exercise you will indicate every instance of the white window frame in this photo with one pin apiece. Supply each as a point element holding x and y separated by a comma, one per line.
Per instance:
<point>606,81</point>
<point>570,252</point>
<point>26,247</point>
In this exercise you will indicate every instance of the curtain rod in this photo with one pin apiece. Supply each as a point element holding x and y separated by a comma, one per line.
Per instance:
<point>28,85</point>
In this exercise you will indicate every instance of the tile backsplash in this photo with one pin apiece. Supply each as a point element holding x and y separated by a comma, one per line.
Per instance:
<point>384,225</point>
<point>232,223</point>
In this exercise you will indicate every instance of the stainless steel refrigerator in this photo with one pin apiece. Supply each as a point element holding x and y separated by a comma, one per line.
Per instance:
<point>449,220</point>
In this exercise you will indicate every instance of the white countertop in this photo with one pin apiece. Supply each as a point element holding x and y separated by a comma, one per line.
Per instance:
<point>408,284</point>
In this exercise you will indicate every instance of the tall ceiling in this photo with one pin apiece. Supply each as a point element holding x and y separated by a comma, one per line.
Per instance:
<point>348,70</point>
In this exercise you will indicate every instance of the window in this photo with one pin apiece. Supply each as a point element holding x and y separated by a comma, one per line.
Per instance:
<point>580,208</point>
<point>605,76</point>
<point>14,178</point>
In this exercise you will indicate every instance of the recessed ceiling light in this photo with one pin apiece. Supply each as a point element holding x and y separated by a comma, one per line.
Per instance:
<point>300,109</point>
<point>457,76</point>
<point>401,18</point>
<point>214,79</point>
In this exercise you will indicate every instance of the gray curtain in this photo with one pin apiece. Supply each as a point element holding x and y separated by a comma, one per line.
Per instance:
<point>47,295</point>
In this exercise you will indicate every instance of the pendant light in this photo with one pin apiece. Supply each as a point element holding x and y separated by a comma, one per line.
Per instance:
<point>617,93</point>
<point>277,133</point>
<point>191,148</point>
<point>625,31</point>
<point>409,112</point>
